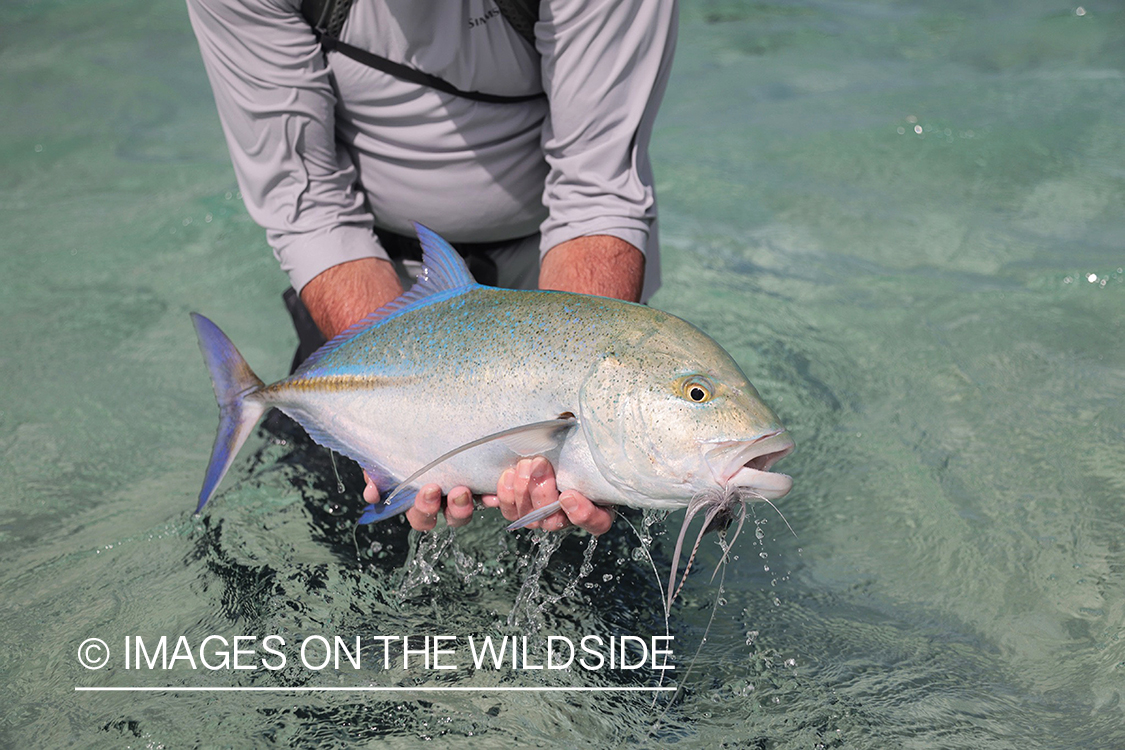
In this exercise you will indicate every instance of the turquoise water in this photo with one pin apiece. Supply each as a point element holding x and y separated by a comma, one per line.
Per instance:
<point>904,219</point>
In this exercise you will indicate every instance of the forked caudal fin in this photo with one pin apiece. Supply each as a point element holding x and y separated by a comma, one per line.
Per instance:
<point>235,385</point>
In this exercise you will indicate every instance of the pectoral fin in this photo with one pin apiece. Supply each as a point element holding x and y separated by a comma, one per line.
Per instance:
<point>527,439</point>
<point>534,441</point>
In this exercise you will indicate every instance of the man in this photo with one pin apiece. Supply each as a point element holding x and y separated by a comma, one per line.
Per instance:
<point>528,153</point>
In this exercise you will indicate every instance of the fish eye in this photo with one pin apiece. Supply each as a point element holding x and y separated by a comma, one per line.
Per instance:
<point>696,389</point>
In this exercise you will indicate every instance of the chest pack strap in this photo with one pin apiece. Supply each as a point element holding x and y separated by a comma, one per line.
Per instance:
<point>326,17</point>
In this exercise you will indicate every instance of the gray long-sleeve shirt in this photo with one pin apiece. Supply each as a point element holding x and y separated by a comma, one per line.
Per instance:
<point>323,152</point>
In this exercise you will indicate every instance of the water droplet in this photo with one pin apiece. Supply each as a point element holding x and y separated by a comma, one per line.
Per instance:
<point>918,129</point>
<point>1091,277</point>
<point>38,148</point>
<point>1079,11</point>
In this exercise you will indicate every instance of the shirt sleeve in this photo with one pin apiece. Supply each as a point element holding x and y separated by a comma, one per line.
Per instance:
<point>277,109</point>
<point>605,65</point>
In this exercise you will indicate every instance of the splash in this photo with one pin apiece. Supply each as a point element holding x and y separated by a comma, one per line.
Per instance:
<point>421,570</point>
<point>529,606</point>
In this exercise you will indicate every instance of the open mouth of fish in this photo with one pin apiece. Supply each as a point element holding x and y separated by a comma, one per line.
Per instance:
<point>747,464</point>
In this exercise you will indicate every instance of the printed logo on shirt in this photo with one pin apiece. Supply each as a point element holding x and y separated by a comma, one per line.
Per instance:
<point>481,20</point>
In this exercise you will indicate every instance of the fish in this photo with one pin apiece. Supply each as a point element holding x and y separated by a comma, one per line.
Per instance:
<point>454,382</point>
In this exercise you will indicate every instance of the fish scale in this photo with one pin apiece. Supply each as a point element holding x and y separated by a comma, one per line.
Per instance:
<point>454,382</point>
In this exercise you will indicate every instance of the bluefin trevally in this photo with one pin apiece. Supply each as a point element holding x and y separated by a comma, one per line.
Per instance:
<point>453,382</point>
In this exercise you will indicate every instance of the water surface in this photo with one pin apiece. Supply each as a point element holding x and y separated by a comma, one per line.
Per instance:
<point>905,221</point>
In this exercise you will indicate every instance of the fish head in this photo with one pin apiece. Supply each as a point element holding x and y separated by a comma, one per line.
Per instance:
<point>671,416</point>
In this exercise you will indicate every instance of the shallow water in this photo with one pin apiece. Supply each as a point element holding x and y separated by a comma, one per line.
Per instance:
<point>905,221</point>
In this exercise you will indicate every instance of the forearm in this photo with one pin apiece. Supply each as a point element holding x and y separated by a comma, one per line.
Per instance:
<point>599,264</point>
<point>277,105</point>
<point>346,293</point>
<point>604,67</point>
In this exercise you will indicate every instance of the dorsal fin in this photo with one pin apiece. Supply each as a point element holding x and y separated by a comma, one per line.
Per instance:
<point>444,275</point>
<point>443,267</point>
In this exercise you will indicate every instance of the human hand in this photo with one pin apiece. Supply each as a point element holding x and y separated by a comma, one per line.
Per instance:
<point>529,485</point>
<point>427,503</point>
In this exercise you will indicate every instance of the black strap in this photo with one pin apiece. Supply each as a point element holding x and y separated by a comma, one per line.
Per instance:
<point>327,20</point>
<point>327,16</point>
<point>406,73</point>
<point>521,15</point>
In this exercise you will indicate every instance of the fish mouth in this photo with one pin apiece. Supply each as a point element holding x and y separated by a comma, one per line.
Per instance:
<point>746,464</point>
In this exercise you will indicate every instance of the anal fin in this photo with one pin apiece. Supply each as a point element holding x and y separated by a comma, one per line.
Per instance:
<point>384,509</point>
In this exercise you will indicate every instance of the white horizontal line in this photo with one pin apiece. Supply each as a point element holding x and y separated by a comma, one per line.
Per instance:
<point>396,689</point>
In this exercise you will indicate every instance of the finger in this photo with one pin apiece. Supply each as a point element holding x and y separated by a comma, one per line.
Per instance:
<point>423,514</point>
<point>490,501</point>
<point>506,494</point>
<point>544,491</point>
<point>370,491</point>
<point>522,489</point>
<point>584,514</point>
<point>459,506</point>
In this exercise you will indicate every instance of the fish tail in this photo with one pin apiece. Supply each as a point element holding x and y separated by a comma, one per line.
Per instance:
<point>239,410</point>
